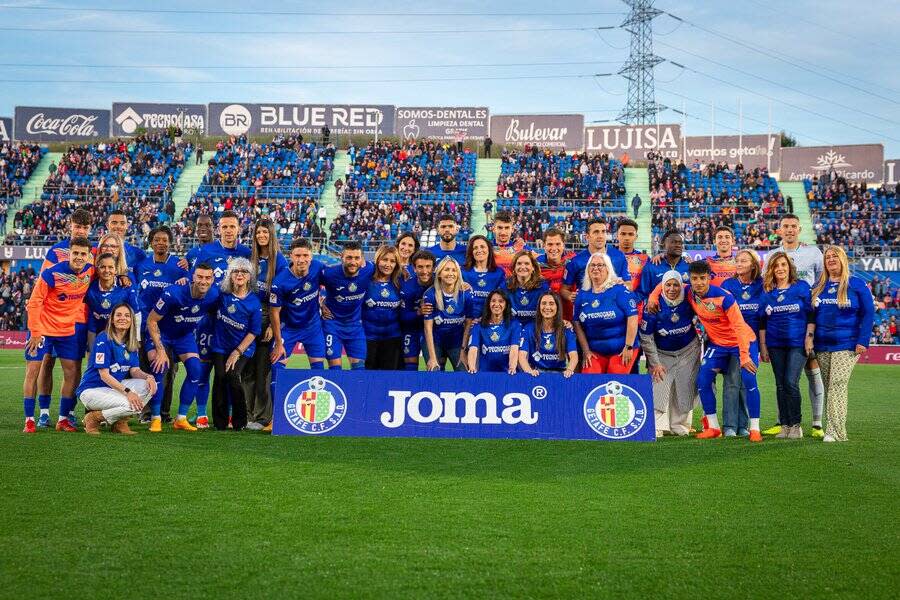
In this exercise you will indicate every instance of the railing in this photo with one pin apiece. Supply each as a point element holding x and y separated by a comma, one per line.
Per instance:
<point>562,205</point>
<point>273,192</point>
<point>405,197</point>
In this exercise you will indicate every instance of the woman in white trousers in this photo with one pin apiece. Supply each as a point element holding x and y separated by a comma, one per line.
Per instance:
<point>114,388</point>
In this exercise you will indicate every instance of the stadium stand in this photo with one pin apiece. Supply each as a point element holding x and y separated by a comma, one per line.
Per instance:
<point>282,179</point>
<point>696,200</point>
<point>17,162</point>
<point>866,222</point>
<point>135,176</point>
<point>15,288</point>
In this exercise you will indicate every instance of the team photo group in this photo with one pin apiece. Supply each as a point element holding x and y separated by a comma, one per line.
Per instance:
<point>233,314</point>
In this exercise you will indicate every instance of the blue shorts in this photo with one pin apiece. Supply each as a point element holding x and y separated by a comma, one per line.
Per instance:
<point>718,358</point>
<point>350,339</point>
<point>312,338</point>
<point>205,340</point>
<point>412,343</point>
<point>186,344</point>
<point>67,347</point>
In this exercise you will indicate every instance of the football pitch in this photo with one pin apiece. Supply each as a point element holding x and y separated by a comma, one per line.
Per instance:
<point>244,514</point>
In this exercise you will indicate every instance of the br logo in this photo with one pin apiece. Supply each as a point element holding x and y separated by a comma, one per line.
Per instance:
<point>615,410</point>
<point>315,405</point>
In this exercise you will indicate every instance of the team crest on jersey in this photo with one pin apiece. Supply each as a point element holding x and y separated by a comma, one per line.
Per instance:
<point>548,344</point>
<point>595,304</point>
<point>634,260</point>
<point>745,295</point>
<point>352,287</point>
<point>674,318</point>
<point>450,309</point>
<point>157,273</point>
<point>524,301</point>
<point>127,355</point>
<point>632,303</point>
<point>315,405</point>
<point>307,286</point>
<point>385,293</point>
<point>495,336</point>
<point>710,306</point>
<point>615,411</point>
<point>482,283</point>
<point>781,297</point>
<point>106,303</point>
<point>195,309</point>
<point>231,309</point>
<point>832,289</point>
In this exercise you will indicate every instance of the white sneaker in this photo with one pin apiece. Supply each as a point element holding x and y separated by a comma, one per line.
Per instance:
<point>828,438</point>
<point>253,426</point>
<point>795,433</point>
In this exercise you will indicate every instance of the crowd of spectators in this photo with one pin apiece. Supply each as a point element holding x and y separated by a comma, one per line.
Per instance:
<point>430,170</point>
<point>17,161</point>
<point>865,222</point>
<point>15,289</point>
<point>367,220</point>
<point>285,168</point>
<point>532,224</point>
<point>697,199</point>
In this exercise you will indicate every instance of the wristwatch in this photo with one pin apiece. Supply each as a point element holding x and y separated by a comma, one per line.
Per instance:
<point>127,390</point>
<point>629,347</point>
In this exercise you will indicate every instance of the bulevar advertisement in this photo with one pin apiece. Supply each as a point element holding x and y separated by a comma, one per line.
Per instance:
<point>560,132</point>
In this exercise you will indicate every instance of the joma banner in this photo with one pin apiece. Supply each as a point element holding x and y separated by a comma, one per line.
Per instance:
<point>441,122</point>
<point>861,162</point>
<point>460,405</point>
<point>6,129</point>
<point>127,117</point>
<point>564,132</point>
<point>265,119</point>
<point>48,124</point>
<point>753,151</point>
<point>635,140</point>
<point>892,172</point>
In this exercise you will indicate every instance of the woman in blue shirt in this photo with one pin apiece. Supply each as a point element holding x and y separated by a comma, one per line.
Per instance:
<point>670,343</point>
<point>494,344</point>
<point>237,324</point>
<point>525,286</point>
<point>546,343</point>
<point>268,262</point>
<point>381,312</point>
<point>114,388</point>
<point>747,288</point>
<point>785,336</point>
<point>606,319</point>
<point>481,271</point>
<point>104,293</point>
<point>447,325</point>
<point>844,310</point>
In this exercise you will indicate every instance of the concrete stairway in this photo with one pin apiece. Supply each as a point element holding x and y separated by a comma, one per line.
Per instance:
<point>190,179</point>
<point>31,191</point>
<point>638,182</point>
<point>487,172</point>
<point>795,190</point>
<point>329,197</point>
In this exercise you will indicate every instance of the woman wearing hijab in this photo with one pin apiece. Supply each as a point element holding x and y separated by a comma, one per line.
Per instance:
<point>672,347</point>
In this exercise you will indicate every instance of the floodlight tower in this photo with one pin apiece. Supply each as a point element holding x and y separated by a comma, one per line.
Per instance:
<point>641,108</point>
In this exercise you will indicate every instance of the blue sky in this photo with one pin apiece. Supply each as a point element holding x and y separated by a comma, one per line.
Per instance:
<point>850,42</point>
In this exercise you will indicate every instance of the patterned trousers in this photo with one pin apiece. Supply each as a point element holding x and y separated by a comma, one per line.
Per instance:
<point>836,369</point>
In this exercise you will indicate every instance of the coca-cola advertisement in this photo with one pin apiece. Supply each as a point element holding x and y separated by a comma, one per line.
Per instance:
<point>752,150</point>
<point>47,124</point>
<point>12,340</point>
<point>6,129</point>
<point>634,140</point>
<point>563,132</point>
<point>854,162</point>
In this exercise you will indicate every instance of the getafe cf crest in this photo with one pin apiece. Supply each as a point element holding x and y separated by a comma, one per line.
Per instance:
<point>307,286</point>
<point>745,295</point>
<point>614,410</point>
<point>781,297</point>
<point>352,287</point>
<point>674,317</point>
<point>127,355</point>
<point>482,283</point>
<point>524,301</point>
<point>710,306</point>
<point>634,260</point>
<point>195,309</point>
<point>105,303</point>
<point>548,344</point>
<point>595,304</point>
<point>385,293</point>
<point>231,309</point>
<point>315,405</point>
<point>450,310</point>
<point>157,273</point>
<point>832,289</point>
<point>495,336</point>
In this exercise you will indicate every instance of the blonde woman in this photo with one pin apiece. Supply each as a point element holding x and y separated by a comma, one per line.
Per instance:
<point>606,319</point>
<point>114,388</point>
<point>111,243</point>
<point>448,324</point>
<point>844,311</point>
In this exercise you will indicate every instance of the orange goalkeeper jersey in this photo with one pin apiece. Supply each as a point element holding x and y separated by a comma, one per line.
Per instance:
<point>57,301</point>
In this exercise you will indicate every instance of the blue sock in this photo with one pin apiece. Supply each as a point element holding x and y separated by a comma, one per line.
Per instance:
<point>44,401</point>
<point>706,381</point>
<point>318,366</point>
<point>358,366</point>
<point>66,406</point>
<point>194,371</point>
<point>29,408</point>
<point>203,388</point>
<point>411,366</point>
<point>156,400</point>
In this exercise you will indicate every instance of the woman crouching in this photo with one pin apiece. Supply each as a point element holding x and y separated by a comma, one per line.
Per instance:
<point>114,388</point>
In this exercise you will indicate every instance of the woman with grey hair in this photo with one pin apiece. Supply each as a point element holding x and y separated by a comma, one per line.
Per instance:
<point>672,347</point>
<point>237,323</point>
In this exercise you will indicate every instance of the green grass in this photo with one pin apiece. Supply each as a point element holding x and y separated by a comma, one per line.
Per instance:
<point>247,515</point>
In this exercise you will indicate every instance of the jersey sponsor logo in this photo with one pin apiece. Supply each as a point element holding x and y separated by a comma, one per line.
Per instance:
<point>614,410</point>
<point>315,405</point>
